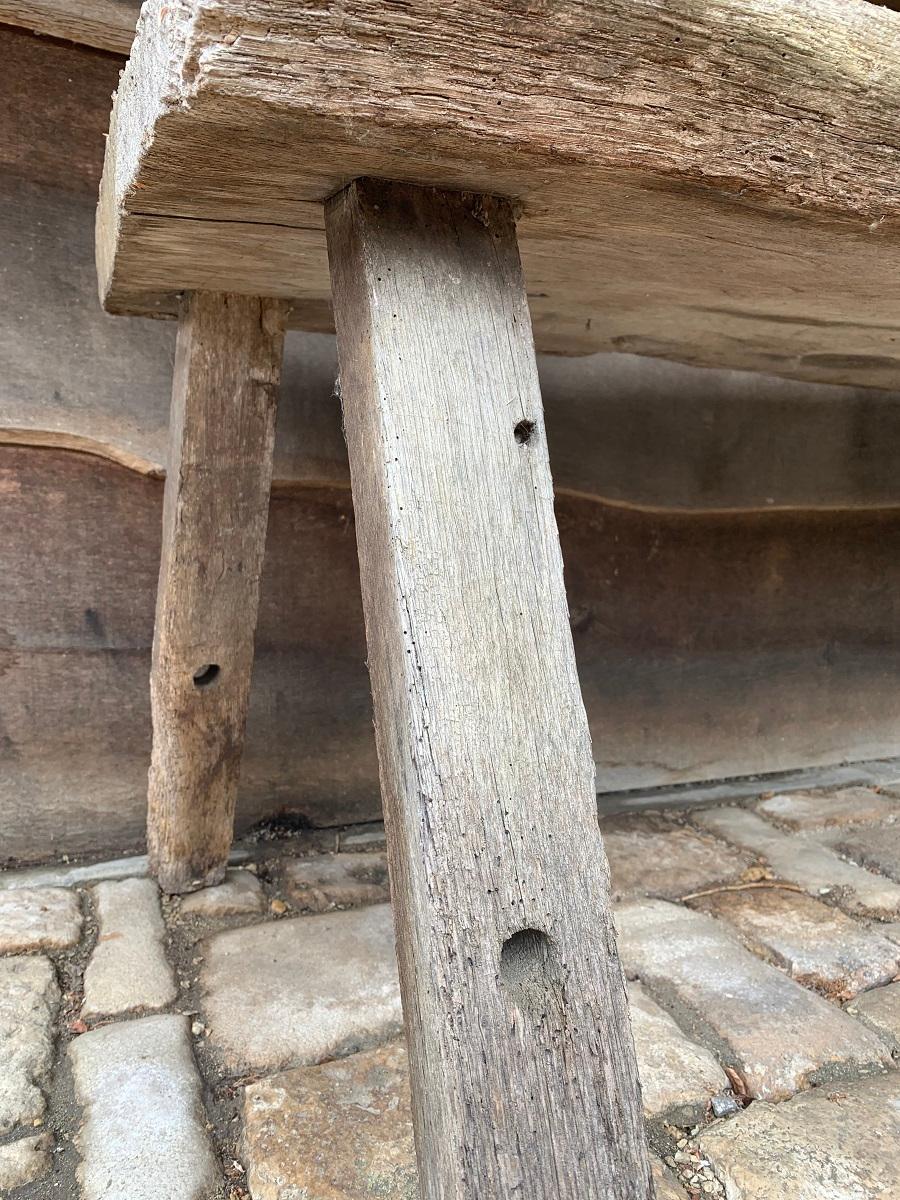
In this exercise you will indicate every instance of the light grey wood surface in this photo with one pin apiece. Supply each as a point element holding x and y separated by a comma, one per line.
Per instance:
<point>523,1070</point>
<point>713,183</point>
<point>215,509</point>
<point>106,24</point>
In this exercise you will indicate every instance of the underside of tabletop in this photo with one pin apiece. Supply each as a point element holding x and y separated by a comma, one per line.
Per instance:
<point>713,183</point>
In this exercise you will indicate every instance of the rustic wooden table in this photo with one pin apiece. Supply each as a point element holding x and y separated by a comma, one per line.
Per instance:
<point>368,167</point>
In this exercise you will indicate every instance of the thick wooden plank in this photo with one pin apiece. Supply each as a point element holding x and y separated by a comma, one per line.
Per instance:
<point>523,1070</point>
<point>222,434</point>
<point>715,184</point>
<point>106,24</point>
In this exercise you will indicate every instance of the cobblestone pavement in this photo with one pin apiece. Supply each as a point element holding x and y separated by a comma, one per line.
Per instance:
<point>246,1041</point>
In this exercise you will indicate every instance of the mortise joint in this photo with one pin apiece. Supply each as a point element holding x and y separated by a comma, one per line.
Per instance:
<point>530,972</point>
<point>206,675</point>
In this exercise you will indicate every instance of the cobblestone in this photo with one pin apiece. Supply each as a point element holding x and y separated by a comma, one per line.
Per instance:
<point>336,881</point>
<point>363,838</point>
<point>779,1037</point>
<point>651,855</point>
<point>816,944</point>
<point>75,874</point>
<point>29,998</point>
<point>874,846</point>
<point>240,894</point>
<point>38,919</point>
<point>803,861</point>
<point>128,969</point>
<point>294,992</point>
<point>678,1077</point>
<point>836,1143</point>
<point>820,810</point>
<point>144,1131</point>
<point>667,1188</point>
<point>880,1010</point>
<point>342,1130</point>
<point>24,1161</point>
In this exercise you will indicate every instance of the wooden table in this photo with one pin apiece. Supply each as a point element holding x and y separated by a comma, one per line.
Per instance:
<point>648,152</point>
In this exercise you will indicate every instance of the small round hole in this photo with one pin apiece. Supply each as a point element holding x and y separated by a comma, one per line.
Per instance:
<point>530,972</point>
<point>206,674</point>
<point>523,431</point>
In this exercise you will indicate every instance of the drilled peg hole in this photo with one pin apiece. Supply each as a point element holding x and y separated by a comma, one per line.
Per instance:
<point>206,675</point>
<point>523,431</point>
<point>530,972</point>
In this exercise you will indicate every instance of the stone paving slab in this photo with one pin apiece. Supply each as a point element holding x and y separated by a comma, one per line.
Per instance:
<point>128,969</point>
<point>678,1077</point>
<point>652,855</point>
<point>24,1161</point>
<point>822,810</point>
<point>779,1037</point>
<point>816,944</point>
<point>803,861</point>
<point>144,1131</point>
<point>363,838</point>
<point>240,894</point>
<point>74,874</point>
<point>341,1131</point>
<point>295,992</point>
<point>29,998</point>
<point>330,881</point>
<point>39,919</point>
<point>880,1010</point>
<point>836,1143</point>
<point>667,1187</point>
<point>874,846</point>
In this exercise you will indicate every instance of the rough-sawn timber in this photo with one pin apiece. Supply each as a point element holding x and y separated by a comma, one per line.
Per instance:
<point>522,1067</point>
<point>712,183</point>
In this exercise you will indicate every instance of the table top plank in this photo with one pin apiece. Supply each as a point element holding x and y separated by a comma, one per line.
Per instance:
<point>714,184</point>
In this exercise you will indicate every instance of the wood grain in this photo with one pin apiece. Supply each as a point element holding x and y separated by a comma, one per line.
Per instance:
<point>523,1071</point>
<point>626,430</point>
<point>713,183</point>
<point>107,24</point>
<point>222,434</point>
<point>47,87</point>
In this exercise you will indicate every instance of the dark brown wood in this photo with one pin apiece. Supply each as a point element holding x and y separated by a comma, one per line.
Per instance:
<point>221,435</point>
<point>523,1071</point>
<point>47,88</point>
<point>108,24</point>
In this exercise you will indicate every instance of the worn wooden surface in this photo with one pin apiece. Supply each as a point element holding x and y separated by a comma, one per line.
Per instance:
<point>107,24</point>
<point>636,432</point>
<point>628,430</point>
<point>222,435</point>
<point>514,1002</point>
<point>715,184</point>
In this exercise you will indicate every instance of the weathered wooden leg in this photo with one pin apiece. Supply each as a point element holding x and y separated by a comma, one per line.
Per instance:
<point>224,397</point>
<point>523,1068</point>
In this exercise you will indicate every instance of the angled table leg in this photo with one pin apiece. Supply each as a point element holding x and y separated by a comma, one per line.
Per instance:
<point>222,431</point>
<point>523,1069</point>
